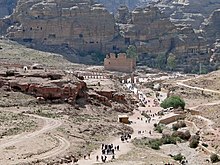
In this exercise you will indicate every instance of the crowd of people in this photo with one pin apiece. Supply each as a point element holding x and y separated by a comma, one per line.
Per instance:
<point>125,137</point>
<point>107,150</point>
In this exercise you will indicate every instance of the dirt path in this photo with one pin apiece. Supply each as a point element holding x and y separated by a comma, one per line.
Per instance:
<point>125,147</point>
<point>206,104</point>
<point>138,125</point>
<point>49,124</point>
<point>209,123</point>
<point>197,88</point>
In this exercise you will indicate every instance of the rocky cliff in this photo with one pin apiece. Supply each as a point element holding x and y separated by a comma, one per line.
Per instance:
<point>192,12</point>
<point>112,5</point>
<point>81,25</point>
<point>84,27</point>
<point>212,28</point>
<point>44,85</point>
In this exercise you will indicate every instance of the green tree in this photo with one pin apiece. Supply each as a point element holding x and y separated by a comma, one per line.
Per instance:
<point>173,101</point>
<point>171,61</point>
<point>132,52</point>
<point>160,60</point>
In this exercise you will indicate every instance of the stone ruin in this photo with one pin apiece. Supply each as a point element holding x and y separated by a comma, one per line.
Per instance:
<point>120,63</point>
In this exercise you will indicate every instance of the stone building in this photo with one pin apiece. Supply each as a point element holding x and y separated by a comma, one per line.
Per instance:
<point>119,63</point>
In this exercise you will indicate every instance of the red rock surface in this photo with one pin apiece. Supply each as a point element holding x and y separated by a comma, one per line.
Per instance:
<point>43,85</point>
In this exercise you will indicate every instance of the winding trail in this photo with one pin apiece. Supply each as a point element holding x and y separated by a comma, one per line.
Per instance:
<point>49,124</point>
<point>206,104</point>
<point>197,88</point>
<point>126,147</point>
<point>209,123</point>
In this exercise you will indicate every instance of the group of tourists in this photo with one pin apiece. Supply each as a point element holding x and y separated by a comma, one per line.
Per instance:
<point>107,149</point>
<point>125,137</point>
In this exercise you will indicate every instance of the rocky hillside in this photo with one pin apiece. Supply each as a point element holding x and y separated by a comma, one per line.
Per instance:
<point>212,29</point>
<point>112,5</point>
<point>192,12</point>
<point>167,34</point>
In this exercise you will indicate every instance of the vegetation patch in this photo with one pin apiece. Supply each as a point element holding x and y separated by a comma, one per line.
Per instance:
<point>158,127</point>
<point>214,158</point>
<point>155,143</point>
<point>173,101</point>
<point>179,124</point>
<point>178,157</point>
<point>194,141</point>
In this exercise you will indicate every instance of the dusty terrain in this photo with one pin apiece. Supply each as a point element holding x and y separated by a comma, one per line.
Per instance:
<point>82,109</point>
<point>40,131</point>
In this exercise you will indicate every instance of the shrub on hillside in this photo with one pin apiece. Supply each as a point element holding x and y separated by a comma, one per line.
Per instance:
<point>178,157</point>
<point>173,101</point>
<point>158,128</point>
<point>214,158</point>
<point>179,124</point>
<point>182,135</point>
<point>187,135</point>
<point>155,144</point>
<point>194,141</point>
<point>169,139</point>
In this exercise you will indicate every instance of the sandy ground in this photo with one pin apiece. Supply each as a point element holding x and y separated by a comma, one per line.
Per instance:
<point>193,156</point>
<point>34,142</point>
<point>139,124</point>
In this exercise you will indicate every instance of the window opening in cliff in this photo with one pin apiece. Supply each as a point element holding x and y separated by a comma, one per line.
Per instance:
<point>114,47</point>
<point>91,42</point>
<point>80,35</point>
<point>127,41</point>
<point>41,28</point>
<point>51,36</point>
<point>31,28</point>
<point>16,88</point>
<point>27,39</point>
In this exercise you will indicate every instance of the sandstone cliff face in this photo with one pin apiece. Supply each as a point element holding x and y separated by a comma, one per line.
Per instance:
<point>153,34</point>
<point>191,12</point>
<point>212,28</point>
<point>81,25</point>
<point>48,86</point>
<point>112,5</point>
<point>85,27</point>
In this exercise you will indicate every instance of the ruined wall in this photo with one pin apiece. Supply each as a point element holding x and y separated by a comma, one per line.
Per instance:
<point>120,63</point>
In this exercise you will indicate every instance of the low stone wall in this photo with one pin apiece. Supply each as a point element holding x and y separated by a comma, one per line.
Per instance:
<point>172,119</point>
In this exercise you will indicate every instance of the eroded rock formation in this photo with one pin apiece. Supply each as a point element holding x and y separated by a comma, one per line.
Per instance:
<point>181,28</point>
<point>46,85</point>
<point>81,25</point>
